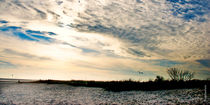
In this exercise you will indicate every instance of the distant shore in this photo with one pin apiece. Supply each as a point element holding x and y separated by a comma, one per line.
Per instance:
<point>129,85</point>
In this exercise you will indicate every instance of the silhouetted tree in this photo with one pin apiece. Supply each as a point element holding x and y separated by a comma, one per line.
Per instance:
<point>178,74</point>
<point>159,78</point>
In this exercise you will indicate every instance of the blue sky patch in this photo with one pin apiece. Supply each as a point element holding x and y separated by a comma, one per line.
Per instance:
<point>3,21</point>
<point>16,31</point>
<point>163,62</point>
<point>34,32</point>
<point>139,1</point>
<point>23,36</point>
<point>167,63</point>
<point>86,50</point>
<point>204,62</point>
<point>28,34</point>
<point>51,33</point>
<point>198,9</point>
<point>9,28</point>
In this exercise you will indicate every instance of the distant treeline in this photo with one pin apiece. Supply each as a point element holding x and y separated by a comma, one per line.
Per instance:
<point>134,85</point>
<point>180,79</point>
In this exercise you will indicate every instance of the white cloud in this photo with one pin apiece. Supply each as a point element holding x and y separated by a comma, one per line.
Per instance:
<point>149,27</point>
<point>121,32</point>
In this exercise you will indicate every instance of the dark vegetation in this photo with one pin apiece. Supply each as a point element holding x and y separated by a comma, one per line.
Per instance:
<point>177,74</point>
<point>133,85</point>
<point>179,80</point>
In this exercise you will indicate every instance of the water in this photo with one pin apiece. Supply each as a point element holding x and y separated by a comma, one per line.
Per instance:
<point>50,94</point>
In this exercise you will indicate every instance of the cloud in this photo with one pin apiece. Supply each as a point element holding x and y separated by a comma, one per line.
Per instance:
<point>150,27</point>
<point>104,37</point>
<point>13,53</point>
<point>6,65</point>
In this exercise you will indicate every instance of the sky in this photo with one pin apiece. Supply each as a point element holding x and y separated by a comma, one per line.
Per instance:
<point>103,39</point>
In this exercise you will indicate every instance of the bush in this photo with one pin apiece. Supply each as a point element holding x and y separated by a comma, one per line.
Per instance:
<point>159,79</point>
<point>177,74</point>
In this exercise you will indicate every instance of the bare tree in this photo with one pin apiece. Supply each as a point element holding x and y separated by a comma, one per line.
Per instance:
<point>178,74</point>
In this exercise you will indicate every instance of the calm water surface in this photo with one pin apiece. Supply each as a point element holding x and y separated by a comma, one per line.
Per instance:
<point>50,94</point>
